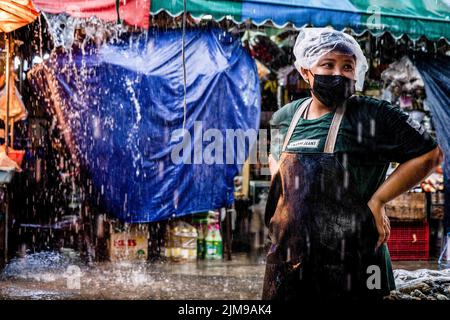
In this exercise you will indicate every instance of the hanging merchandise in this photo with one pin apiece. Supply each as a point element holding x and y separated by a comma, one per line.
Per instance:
<point>263,71</point>
<point>405,86</point>
<point>17,111</point>
<point>12,108</point>
<point>265,50</point>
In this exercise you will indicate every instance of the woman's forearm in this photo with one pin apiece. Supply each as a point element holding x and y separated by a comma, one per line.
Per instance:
<point>407,175</point>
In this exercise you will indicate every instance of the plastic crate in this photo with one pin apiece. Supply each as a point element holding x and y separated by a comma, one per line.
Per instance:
<point>409,241</point>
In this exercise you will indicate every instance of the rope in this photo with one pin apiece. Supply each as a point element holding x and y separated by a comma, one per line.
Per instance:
<point>183,54</point>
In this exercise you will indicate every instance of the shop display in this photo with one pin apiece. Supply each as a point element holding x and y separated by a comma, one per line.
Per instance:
<point>181,242</point>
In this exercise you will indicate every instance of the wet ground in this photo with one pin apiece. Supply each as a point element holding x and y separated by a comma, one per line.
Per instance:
<point>57,276</point>
<point>52,276</point>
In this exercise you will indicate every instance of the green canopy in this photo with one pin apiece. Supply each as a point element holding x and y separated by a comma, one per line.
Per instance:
<point>415,18</point>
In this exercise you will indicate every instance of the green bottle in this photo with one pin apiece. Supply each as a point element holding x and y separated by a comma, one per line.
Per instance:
<point>213,242</point>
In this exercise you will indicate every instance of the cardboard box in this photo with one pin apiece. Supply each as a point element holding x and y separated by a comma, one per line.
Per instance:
<point>129,246</point>
<point>409,206</point>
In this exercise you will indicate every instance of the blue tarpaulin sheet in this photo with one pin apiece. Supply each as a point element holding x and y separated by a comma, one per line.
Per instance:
<point>123,106</point>
<point>436,74</point>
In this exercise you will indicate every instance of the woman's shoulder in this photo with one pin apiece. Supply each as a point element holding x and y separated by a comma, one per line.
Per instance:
<point>367,102</point>
<point>285,114</point>
<point>366,106</point>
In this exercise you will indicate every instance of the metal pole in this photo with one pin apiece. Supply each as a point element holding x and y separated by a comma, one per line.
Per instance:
<point>228,230</point>
<point>6,224</point>
<point>8,89</point>
<point>8,98</point>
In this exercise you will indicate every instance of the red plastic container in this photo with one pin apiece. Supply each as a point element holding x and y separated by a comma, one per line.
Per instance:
<point>409,241</point>
<point>16,155</point>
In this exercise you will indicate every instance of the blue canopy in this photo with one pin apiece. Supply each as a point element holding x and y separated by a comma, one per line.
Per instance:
<point>123,105</point>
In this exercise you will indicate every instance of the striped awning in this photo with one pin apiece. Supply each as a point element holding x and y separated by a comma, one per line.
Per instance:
<point>415,18</point>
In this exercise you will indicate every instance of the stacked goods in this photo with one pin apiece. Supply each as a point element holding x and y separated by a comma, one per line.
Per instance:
<point>128,243</point>
<point>437,205</point>
<point>409,241</point>
<point>181,242</point>
<point>434,184</point>
<point>409,206</point>
<point>213,243</point>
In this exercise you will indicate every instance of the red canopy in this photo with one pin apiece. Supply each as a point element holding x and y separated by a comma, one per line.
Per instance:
<point>134,12</point>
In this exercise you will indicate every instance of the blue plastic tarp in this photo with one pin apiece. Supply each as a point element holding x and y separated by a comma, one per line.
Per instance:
<point>123,105</point>
<point>436,75</point>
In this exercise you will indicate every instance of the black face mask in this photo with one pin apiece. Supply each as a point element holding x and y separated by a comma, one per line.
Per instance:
<point>332,91</point>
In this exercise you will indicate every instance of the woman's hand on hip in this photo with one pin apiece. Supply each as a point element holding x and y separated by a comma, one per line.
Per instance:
<point>381,220</point>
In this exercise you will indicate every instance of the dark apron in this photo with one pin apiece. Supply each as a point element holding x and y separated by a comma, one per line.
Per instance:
<point>323,234</point>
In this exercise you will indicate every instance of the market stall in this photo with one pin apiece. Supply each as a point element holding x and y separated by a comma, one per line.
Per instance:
<point>13,15</point>
<point>251,38</point>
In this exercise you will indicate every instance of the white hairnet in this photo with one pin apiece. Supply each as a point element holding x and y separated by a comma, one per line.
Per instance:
<point>313,43</point>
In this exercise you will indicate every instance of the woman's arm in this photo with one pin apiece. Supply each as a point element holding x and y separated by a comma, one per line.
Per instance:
<point>406,176</point>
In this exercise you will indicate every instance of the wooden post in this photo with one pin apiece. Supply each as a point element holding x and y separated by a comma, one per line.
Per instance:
<point>228,230</point>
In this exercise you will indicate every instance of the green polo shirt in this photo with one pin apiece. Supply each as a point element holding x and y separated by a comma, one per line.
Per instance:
<point>372,134</point>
